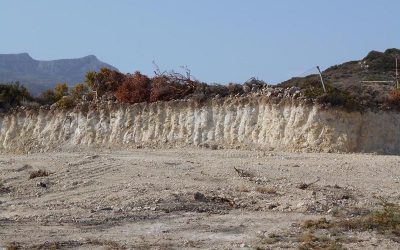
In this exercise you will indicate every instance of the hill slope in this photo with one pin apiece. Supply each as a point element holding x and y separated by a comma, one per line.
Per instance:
<point>360,79</point>
<point>40,75</point>
<point>376,66</point>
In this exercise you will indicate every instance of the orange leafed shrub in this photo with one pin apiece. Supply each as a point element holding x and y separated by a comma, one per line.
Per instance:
<point>394,96</point>
<point>104,81</point>
<point>113,79</point>
<point>165,88</point>
<point>134,89</point>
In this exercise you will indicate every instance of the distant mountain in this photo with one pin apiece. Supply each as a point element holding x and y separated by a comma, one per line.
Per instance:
<point>38,76</point>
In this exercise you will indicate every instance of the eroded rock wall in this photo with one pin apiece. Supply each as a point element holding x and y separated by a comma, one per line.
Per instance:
<point>232,122</point>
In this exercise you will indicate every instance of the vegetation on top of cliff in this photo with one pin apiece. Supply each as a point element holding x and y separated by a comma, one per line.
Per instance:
<point>13,95</point>
<point>367,83</point>
<point>346,87</point>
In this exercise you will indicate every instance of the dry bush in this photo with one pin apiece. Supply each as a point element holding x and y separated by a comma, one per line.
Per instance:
<point>166,88</point>
<point>13,246</point>
<point>394,97</point>
<point>38,173</point>
<point>204,91</point>
<point>243,189</point>
<point>307,238</point>
<point>218,89</point>
<point>135,88</point>
<point>317,224</point>
<point>310,241</point>
<point>105,81</point>
<point>235,88</point>
<point>108,244</point>
<point>266,190</point>
<point>386,221</point>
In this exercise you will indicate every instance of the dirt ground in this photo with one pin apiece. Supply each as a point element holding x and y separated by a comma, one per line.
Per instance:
<point>191,198</point>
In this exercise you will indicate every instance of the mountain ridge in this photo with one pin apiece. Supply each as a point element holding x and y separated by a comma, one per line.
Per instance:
<point>39,75</point>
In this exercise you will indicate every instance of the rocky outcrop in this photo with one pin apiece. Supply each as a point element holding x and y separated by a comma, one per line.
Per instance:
<point>232,122</point>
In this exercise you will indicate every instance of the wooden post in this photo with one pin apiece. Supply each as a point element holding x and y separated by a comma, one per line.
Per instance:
<point>397,75</point>
<point>322,80</point>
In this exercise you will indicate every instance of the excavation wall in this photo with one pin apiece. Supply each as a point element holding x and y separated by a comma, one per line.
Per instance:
<point>233,122</point>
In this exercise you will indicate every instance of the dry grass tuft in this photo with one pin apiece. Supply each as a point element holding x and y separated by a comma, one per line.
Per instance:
<point>308,238</point>
<point>273,238</point>
<point>13,246</point>
<point>386,221</point>
<point>317,224</point>
<point>243,189</point>
<point>266,190</point>
<point>331,234</point>
<point>38,173</point>
<point>107,244</point>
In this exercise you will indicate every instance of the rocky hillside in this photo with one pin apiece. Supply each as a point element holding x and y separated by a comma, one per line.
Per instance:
<point>353,77</point>
<point>41,75</point>
<point>376,66</point>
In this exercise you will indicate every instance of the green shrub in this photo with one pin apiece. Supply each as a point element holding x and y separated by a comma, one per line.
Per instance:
<point>12,95</point>
<point>79,90</point>
<point>60,90</point>
<point>52,96</point>
<point>66,102</point>
<point>336,97</point>
<point>48,97</point>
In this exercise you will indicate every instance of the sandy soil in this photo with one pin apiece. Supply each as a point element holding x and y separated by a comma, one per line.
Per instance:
<point>187,198</point>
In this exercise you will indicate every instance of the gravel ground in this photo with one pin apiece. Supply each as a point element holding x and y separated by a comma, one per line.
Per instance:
<point>188,198</point>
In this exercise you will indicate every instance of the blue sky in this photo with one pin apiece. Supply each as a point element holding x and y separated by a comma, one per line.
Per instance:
<point>219,40</point>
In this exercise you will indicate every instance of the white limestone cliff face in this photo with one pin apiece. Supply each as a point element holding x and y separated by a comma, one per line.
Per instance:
<point>231,122</point>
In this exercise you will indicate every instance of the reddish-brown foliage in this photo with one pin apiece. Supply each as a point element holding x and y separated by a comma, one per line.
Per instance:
<point>166,88</point>
<point>134,89</point>
<point>394,96</point>
<point>105,81</point>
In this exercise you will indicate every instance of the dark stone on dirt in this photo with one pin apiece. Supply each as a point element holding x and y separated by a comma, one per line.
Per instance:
<point>346,197</point>
<point>243,173</point>
<point>272,206</point>
<point>303,186</point>
<point>41,184</point>
<point>200,197</point>
<point>4,190</point>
